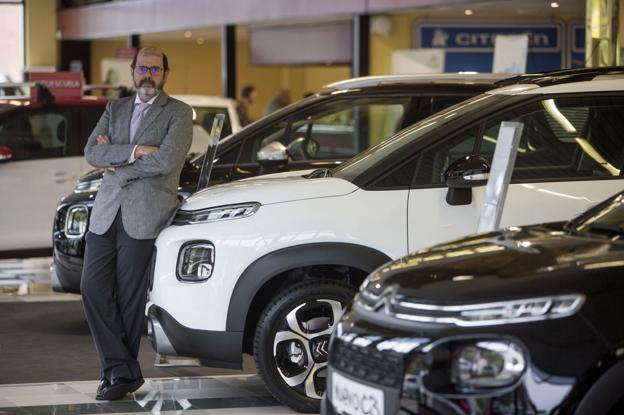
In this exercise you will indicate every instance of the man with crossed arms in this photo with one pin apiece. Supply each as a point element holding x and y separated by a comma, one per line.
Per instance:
<point>142,141</point>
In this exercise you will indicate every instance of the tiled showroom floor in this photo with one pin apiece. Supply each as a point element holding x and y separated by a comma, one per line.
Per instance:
<point>27,344</point>
<point>231,395</point>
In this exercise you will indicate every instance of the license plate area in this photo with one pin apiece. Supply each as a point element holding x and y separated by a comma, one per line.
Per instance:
<point>353,398</point>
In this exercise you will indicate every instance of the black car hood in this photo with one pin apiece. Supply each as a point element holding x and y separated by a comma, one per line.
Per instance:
<point>188,183</point>
<point>91,175</point>
<point>518,262</point>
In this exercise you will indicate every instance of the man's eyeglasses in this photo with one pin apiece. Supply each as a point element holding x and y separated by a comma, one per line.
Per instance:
<point>142,70</point>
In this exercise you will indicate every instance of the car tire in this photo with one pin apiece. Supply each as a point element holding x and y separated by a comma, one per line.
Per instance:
<point>292,337</point>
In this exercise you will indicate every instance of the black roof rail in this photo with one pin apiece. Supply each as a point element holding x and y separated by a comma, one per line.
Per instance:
<point>561,76</point>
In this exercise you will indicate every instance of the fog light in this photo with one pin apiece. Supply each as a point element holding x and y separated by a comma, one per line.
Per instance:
<point>487,364</point>
<point>196,261</point>
<point>76,221</point>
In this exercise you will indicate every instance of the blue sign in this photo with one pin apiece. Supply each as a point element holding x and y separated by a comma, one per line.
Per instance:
<point>470,46</point>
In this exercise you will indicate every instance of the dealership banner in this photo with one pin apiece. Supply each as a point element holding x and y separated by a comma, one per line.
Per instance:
<point>60,84</point>
<point>470,46</point>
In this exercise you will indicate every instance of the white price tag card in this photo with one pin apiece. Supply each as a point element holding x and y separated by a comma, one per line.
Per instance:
<point>352,398</point>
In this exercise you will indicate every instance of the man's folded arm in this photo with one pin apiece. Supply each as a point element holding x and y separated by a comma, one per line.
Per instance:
<point>170,154</point>
<point>109,155</point>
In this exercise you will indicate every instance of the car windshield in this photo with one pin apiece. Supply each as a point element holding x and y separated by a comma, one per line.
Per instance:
<point>606,218</point>
<point>262,121</point>
<point>363,161</point>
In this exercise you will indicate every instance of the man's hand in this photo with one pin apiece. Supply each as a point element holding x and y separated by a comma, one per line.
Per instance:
<point>102,139</point>
<point>141,151</point>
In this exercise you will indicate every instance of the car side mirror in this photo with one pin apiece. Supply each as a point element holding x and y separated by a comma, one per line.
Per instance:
<point>272,154</point>
<point>462,175</point>
<point>6,154</point>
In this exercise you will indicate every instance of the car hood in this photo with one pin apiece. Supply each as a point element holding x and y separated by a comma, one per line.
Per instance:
<point>269,189</point>
<point>514,263</point>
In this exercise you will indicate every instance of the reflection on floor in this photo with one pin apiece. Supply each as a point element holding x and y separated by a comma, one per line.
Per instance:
<point>25,276</point>
<point>216,395</point>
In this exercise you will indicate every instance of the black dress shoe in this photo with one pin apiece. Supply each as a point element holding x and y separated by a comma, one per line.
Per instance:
<point>100,389</point>
<point>117,389</point>
<point>136,384</point>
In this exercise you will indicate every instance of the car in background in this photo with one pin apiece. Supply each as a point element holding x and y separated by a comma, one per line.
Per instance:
<point>318,132</point>
<point>43,140</point>
<point>520,321</point>
<point>205,108</point>
<point>265,265</point>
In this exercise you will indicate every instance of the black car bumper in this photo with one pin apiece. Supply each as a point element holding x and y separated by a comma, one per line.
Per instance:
<point>68,270</point>
<point>411,371</point>
<point>213,348</point>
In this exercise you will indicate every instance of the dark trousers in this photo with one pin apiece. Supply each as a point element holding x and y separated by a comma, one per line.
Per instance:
<point>114,293</point>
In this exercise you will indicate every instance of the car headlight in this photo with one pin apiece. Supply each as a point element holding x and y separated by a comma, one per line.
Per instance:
<point>479,366</point>
<point>196,261</point>
<point>487,364</point>
<point>191,217</point>
<point>88,186</point>
<point>76,221</point>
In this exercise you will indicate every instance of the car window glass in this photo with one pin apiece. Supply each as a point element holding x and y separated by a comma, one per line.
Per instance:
<point>399,178</point>
<point>565,138</point>
<point>36,134</point>
<point>90,117</point>
<point>403,140</point>
<point>205,116</point>
<point>434,161</point>
<point>229,157</point>
<point>335,130</point>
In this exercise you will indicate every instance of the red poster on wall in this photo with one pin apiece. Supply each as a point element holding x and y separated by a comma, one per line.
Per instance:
<point>60,84</point>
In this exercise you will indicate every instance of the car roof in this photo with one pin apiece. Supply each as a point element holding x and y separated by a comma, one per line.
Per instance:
<point>601,79</point>
<point>598,84</point>
<point>87,101</point>
<point>205,100</point>
<point>426,78</point>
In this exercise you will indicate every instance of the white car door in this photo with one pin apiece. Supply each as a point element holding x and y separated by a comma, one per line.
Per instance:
<point>569,159</point>
<point>44,168</point>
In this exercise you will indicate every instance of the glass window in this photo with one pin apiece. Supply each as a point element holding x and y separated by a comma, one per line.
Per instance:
<point>335,130</point>
<point>400,142</point>
<point>565,138</point>
<point>11,43</point>
<point>204,116</point>
<point>90,117</point>
<point>39,134</point>
<point>433,162</point>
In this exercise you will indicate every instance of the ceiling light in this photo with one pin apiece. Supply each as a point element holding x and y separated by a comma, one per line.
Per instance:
<point>188,34</point>
<point>468,12</point>
<point>200,40</point>
<point>554,4</point>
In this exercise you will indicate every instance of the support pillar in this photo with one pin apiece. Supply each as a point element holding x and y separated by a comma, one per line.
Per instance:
<point>360,63</point>
<point>228,61</point>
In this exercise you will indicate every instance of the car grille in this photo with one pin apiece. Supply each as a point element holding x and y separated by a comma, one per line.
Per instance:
<point>366,363</point>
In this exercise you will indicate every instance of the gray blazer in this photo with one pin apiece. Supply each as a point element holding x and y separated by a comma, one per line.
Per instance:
<point>146,190</point>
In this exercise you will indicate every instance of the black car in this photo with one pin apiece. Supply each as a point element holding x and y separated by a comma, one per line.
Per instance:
<point>519,321</point>
<point>318,132</point>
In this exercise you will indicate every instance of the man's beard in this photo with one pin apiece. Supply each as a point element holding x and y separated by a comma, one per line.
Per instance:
<point>147,89</point>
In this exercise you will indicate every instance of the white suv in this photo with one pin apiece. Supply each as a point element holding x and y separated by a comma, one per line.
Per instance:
<point>264,266</point>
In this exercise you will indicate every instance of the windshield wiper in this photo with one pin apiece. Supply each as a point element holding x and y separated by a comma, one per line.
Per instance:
<point>315,174</point>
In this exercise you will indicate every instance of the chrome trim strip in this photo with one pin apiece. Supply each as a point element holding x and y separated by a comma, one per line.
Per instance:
<point>577,302</point>
<point>467,307</point>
